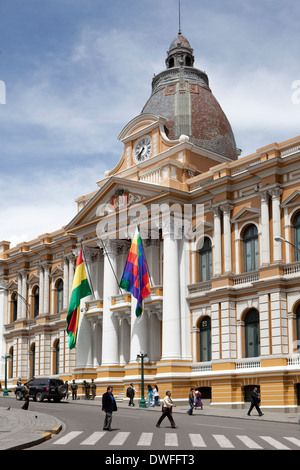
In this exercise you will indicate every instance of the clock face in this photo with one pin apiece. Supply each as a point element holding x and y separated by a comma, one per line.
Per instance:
<point>142,149</point>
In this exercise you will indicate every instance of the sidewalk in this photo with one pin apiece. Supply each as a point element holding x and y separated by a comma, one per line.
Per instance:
<point>20,429</point>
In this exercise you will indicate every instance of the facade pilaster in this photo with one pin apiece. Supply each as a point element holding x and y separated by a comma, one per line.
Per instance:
<point>66,283</point>
<point>19,300</point>
<point>217,247</point>
<point>277,246</point>
<point>265,229</point>
<point>46,288</point>
<point>226,209</point>
<point>41,300</point>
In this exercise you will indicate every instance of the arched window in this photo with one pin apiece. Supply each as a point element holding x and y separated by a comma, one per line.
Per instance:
<point>205,261</point>
<point>252,337</point>
<point>205,340</point>
<point>250,245</point>
<point>59,295</point>
<point>36,301</point>
<point>14,299</point>
<point>296,225</point>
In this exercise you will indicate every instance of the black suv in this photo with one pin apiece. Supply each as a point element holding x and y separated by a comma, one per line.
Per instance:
<point>43,388</point>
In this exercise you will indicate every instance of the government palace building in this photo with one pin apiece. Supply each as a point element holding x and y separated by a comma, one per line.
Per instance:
<point>221,237</point>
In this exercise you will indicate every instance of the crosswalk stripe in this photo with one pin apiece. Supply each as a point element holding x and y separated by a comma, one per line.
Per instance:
<point>119,439</point>
<point>145,439</point>
<point>249,442</point>
<point>171,439</point>
<point>223,441</point>
<point>273,442</point>
<point>293,440</point>
<point>196,440</point>
<point>67,438</point>
<point>93,438</point>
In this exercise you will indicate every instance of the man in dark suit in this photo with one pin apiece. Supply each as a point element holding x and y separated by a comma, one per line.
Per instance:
<point>108,405</point>
<point>255,400</point>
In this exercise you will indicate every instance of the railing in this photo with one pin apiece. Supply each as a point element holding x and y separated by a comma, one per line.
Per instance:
<point>245,278</point>
<point>248,363</point>
<point>241,169</point>
<point>292,268</point>
<point>201,367</point>
<point>199,287</point>
<point>284,153</point>
<point>294,360</point>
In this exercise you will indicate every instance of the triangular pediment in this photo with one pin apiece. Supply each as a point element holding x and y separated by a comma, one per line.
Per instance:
<point>116,193</point>
<point>246,213</point>
<point>292,200</point>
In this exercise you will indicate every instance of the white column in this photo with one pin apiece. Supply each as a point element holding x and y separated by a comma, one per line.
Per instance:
<point>3,321</point>
<point>227,208</point>
<point>41,295</point>
<point>171,343</point>
<point>19,300</point>
<point>46,288</point>
<point>277,246</point>
<point>71,274</point>
<point>139,325</point>
<point>110,352</point>
<point>66,283</point>
<point>24,295</point>
<point>237,248</point>
<point>265,230</point>
<point>217,252</point>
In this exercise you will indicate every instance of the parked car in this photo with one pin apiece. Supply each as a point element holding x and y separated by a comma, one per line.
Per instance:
<point>40,389</point>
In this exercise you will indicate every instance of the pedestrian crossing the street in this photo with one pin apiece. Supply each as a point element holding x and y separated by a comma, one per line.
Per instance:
<point>172,439</point>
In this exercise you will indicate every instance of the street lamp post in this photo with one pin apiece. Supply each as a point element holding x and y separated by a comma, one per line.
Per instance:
<point>29,331</point>
<point>283,240</point>
<point>141,357</point>
<point>5,391</point>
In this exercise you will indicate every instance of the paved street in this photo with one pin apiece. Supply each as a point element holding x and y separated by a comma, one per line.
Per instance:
<point>134,429</point>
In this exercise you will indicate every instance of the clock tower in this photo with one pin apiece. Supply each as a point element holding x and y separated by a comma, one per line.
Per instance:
<point>181,131</point>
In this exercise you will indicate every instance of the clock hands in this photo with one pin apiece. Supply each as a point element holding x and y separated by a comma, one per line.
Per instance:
<point>140,152</point>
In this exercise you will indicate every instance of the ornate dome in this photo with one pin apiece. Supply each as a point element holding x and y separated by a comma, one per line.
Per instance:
<point>182,95</point>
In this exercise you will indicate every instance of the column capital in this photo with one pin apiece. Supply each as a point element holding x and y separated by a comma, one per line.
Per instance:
<point>110,247</point>
<point>264,195</point>
<point>171,226</point>
<point>226,208</point>
<point>215,210</point>
<point>276,192</point>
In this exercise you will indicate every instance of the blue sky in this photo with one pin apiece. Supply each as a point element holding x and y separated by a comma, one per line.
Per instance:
<point>77,71</point>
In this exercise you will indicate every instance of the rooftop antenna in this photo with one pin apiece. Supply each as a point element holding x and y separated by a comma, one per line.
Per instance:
<point>179,17</point>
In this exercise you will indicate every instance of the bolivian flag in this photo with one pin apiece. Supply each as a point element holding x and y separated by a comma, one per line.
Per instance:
<point>135,277</point>
<point>80,289</point>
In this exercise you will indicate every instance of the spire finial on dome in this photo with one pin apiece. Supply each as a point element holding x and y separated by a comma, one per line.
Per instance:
<point>179,32</point>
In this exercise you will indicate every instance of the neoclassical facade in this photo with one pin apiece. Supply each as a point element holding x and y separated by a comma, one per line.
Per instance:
<point>224,309</point>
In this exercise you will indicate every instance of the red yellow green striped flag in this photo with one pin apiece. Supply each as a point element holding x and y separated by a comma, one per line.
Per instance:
<point>80,289</point>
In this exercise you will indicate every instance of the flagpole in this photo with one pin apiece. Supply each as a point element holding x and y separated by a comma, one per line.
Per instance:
<point>138,227</point>
<point>87,268</point>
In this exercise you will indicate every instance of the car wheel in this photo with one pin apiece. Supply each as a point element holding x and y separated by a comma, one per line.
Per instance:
<point>62,390</point>
<point>39,396</point>
<point>19,395</point>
